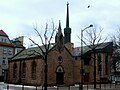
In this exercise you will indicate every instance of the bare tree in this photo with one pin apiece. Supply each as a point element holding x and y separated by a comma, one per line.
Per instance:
<point>46,43</point>
<point>115,65</point>
<point>92,39</point>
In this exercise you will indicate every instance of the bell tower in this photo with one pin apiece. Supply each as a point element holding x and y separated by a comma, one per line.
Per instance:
<point>67,30</point>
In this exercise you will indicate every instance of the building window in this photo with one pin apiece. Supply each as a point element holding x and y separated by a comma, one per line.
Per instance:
<point>2,39</point>
<point>86,61</point>
<point>18,50</point>
<point>106,64</point>
<point>4,58</point>
<point>3,72</point>
<point>3,62</point>
<point>60,59</point>
<point>9,51</point>
<point>33,70</point>
<point>4,51</point>
<point>5,40</point>
<point>75,57</point>
<point>15,70</point>
<point>23,70</point>
<point>99,62</point>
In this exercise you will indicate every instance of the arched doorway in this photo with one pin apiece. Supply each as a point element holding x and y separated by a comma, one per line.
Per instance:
<point>60,75</point>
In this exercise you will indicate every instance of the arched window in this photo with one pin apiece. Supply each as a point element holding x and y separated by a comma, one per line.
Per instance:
<point>60,69</point>
<point>23,70</point>
<point>33,70</point>
<point>15,70</point>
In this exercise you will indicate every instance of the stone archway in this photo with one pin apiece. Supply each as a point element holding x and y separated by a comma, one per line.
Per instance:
<point>60,75</point>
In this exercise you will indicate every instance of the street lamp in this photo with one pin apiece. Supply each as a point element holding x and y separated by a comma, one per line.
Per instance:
<point>82,70</point>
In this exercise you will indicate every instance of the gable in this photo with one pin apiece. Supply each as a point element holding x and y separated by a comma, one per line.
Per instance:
<point>54,53</point>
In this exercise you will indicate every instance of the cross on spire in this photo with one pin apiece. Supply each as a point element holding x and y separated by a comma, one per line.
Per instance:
<point>67,3</point>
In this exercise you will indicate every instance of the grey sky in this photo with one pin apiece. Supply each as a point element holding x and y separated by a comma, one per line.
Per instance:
<point>18,16</point>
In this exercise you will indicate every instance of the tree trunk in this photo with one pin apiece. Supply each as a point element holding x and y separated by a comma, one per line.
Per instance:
<point>46,71</point>
<point>94,69</point>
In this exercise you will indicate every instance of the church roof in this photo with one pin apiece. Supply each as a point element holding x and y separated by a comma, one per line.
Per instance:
<point>30,52</point>
<point>101,46</point>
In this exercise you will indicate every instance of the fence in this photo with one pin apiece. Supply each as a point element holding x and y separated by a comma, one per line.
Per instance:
<point>75,87</point>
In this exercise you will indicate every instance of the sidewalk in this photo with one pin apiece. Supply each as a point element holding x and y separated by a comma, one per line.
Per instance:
<point>4,86</point>
<point>103,87</point>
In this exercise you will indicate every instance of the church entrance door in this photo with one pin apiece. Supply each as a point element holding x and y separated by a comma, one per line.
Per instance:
<point>60,78</point>
<point>60,75</point>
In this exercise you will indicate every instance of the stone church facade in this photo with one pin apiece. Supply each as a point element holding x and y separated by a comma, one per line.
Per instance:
<point>27,67</point>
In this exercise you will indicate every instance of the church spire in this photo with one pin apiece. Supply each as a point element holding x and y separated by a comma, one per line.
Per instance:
<point>67,18</point>
<point>67,30</point>
<point>59,39</point>
<point>59,27</point>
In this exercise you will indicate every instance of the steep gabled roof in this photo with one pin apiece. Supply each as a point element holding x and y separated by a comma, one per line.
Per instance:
<point>2,33</point>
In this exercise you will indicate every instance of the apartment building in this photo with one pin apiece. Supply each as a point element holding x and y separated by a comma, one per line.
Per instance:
<point>7,50</point>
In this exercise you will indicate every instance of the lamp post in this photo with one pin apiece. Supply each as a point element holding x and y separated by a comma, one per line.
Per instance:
<point>82,70</point>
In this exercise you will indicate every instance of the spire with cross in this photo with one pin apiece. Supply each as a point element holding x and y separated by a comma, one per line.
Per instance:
<point>67,30</point>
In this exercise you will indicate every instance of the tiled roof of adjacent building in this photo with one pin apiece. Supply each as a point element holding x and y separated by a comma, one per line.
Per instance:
<point>2,33</point>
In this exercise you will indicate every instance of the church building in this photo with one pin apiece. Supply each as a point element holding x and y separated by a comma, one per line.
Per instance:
<point>64,64</point>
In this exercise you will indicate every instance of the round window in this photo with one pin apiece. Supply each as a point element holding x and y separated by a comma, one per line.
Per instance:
<point>60,59</point>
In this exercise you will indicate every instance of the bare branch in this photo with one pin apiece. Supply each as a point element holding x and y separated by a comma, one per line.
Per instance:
<point>45,36</point>
<point>78,37</point>
<point>36,44</point>
<point>88,40</point>
<point>53,27</point>
<point>35,28</point>
<point>46,30</point>
<point>92,39</point>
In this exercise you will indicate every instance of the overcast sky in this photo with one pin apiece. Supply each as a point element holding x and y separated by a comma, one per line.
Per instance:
<point>18,16</point>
